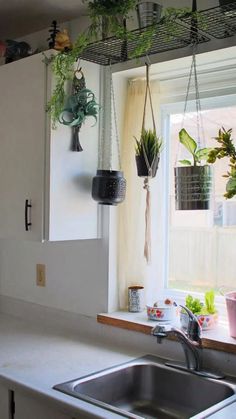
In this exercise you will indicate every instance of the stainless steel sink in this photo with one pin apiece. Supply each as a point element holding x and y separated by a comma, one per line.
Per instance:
<point>148,389</point>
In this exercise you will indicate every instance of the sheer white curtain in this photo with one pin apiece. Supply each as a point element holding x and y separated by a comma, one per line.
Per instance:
<point>132,267</point>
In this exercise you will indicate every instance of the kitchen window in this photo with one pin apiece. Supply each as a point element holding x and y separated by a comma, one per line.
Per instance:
<point>192,250</point>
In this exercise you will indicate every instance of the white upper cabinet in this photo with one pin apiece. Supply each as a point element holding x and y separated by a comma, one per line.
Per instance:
<point>36,163</point>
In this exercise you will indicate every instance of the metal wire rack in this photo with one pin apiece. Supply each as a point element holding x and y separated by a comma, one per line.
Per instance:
<point>218,22</point>
<point>165,37</point>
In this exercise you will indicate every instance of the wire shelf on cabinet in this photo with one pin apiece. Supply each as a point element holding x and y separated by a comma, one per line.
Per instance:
<point>166,37</point>
<point>218,22</point>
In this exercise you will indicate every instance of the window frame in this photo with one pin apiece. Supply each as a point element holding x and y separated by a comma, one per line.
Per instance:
<point>214,101</point>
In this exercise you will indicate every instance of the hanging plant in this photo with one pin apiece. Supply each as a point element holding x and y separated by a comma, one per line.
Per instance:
<point>80,105</point>
<point>147,153</point>
<point>109,186</point>
<point>193,182</point>
<point>226,149</point>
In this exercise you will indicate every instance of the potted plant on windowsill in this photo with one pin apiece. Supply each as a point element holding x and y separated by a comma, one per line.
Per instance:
<point>192,180</point>
<point>206,312</point>
<point>147,153</point>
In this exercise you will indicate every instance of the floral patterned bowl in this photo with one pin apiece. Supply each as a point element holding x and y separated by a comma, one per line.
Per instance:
<point>206,321</point>
<point>162,313</point>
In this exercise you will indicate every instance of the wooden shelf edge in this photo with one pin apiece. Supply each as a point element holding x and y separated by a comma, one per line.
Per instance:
<point>207,343</point>
<point>124,324</point>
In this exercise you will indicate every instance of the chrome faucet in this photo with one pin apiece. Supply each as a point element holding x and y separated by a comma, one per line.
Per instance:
<point>191,343</point>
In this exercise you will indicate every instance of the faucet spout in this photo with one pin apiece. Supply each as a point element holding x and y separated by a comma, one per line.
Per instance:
<point>192,356</point>
<point>191,343</point>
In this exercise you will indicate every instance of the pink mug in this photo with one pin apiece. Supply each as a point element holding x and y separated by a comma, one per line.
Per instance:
<point>231,309</point>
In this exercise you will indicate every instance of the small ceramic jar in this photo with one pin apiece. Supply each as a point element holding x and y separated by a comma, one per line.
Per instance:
<point>136,299</point>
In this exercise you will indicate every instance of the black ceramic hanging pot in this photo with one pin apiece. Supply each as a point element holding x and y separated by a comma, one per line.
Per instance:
<point>193,187</point>
<point>109,187</point>
<point>142,169</point>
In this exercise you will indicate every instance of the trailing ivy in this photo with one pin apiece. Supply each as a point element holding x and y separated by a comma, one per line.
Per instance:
<point>63,69</point>
<point>111,14</point>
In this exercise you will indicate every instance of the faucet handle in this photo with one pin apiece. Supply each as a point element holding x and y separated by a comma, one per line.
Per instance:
<point>194,328</point>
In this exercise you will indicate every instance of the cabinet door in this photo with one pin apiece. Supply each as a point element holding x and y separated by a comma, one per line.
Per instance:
<point>4,402</point>
<point>30,408</point>
<point>22,145</point>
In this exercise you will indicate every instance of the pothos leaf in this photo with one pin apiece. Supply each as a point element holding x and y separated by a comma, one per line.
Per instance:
<point>203,153</point>
<point>188,142</point>
<point>186,162</point>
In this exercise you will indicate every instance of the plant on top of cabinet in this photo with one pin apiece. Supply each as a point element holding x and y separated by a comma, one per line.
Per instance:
<point>226,149</point>
<point>108,16</point>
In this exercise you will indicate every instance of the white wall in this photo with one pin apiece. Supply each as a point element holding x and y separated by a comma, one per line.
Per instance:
<point>75,273</point>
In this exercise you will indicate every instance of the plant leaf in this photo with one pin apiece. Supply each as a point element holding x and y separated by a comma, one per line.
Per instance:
<point>188,142</point>
<point>231,185</point>
<point>186,162</point>
<point>210,302</point>
<point>203,153</point>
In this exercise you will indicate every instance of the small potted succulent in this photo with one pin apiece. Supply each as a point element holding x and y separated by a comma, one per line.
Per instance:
<point>147,153</point>
<point>192,180</point>
<point>226,149</point>
<point>109,16</point>
<point>206,312</point>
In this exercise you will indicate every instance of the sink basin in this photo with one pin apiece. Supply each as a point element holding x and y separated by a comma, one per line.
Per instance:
<point>146,388</point>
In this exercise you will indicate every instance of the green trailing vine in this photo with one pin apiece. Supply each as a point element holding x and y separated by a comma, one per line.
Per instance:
<point>63,69</point>
<point>113,13</point>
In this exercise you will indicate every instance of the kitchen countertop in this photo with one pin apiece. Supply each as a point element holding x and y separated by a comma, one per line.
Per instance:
<point>36,358</point>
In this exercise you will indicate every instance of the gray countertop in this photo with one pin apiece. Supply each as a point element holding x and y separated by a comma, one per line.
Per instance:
<point>36,358</point>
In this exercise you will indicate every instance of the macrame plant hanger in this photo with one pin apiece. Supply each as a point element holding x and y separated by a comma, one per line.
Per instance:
<point>109,185</point>
<point>146,185</point>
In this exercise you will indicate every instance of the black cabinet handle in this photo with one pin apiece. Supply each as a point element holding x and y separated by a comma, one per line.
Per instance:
<point>27,213</point>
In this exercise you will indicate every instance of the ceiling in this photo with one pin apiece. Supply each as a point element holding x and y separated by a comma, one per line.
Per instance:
<point>21,17</point>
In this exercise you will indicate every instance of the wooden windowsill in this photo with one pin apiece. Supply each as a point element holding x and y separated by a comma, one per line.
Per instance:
<point>217,339</point>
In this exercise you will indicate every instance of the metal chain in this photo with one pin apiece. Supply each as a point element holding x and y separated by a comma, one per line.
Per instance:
<point>193,73</point>
<point>113,113</point>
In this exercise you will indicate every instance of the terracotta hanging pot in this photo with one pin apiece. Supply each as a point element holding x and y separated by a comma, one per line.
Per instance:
<point>193,187</point>
<point>109,187</point>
